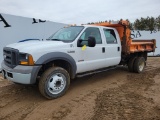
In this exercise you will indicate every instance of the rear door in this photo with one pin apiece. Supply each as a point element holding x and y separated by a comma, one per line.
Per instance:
<point>113,46</point>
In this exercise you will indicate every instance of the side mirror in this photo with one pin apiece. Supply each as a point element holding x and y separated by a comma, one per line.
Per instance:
<point>79,43</point>
<point>91,41</point>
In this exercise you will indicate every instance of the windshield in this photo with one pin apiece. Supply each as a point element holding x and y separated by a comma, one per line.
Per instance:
<point>67,34</point>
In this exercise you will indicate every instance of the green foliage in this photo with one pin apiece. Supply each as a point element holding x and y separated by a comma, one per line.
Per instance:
<point>158,23</point>
<point>149,23</point>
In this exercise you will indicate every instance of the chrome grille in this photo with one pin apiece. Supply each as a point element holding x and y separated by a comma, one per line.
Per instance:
<point>10,57</point>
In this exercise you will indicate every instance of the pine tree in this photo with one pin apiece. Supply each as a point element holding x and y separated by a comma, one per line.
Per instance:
<point>151,24</point>
<point>158,23</point>
<point>137,24</point>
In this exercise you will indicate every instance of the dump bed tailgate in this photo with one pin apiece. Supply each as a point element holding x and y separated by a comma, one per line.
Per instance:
<point>142,45</point>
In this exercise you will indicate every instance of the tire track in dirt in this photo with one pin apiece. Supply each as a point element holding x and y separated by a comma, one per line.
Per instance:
<point>16,101</point>
<point>128,100</point>
<point>20,113</point>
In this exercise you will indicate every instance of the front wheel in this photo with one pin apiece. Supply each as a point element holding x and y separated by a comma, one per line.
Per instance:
<point>54,82</point>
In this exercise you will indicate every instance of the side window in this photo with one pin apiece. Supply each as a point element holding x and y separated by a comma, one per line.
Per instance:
<point>110,36</point>
<point>91,31</point>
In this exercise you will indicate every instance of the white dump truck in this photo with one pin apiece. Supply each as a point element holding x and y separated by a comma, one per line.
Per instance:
<point>71,52</point>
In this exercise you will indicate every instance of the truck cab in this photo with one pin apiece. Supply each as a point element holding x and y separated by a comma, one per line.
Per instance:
<point>105,53</point>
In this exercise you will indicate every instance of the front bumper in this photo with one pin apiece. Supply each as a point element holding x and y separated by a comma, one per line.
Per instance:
<point>20,74</point>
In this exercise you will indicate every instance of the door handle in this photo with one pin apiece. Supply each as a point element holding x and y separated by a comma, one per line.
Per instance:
<point>103,49</point>
<point>118,49</point>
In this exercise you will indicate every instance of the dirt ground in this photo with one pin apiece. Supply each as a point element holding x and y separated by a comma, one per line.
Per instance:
<point>112,95</point>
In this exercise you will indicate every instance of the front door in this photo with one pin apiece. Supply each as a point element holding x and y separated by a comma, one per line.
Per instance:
<point>90,58</point>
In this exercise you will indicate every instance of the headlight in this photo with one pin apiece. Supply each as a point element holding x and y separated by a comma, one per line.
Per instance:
<point>25,59</point>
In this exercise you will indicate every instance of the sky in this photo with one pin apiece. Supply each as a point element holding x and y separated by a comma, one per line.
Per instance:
<point>81,11</point>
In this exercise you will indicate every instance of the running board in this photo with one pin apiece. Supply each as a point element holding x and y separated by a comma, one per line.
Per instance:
<point>95,72</point>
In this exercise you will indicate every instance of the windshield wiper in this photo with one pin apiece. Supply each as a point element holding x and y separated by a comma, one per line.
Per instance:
<point>66,41</point>
<point>54,39</point>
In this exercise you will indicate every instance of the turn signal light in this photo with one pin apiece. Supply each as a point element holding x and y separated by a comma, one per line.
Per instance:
<point>28,62</point>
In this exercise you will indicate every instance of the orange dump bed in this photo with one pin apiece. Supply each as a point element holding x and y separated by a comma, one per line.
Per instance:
<point>142,45</point>
<point>129,45</point>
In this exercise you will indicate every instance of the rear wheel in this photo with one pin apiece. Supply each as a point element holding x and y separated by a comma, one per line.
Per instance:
<point>54,82</point>
<point>139,64</point>
<point>131,64</point>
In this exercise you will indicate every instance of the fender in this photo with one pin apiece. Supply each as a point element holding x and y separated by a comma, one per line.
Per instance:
<point>58,55</point>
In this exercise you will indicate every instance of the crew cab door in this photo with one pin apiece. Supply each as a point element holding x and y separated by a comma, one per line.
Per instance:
<point>91,58</point>
<point>113,47</point>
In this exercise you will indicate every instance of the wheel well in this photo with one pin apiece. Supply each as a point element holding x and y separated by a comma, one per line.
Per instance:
<point>139,54</point>
<point>59,63</point>
<point>125,58</point>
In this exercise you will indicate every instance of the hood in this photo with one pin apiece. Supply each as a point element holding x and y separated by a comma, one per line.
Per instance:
<point>32,46</point>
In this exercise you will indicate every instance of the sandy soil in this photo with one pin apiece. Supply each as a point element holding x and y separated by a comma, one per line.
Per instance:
<point>112,95</point>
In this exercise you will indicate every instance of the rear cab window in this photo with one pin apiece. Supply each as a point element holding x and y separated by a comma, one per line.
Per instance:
<point>110,36</point>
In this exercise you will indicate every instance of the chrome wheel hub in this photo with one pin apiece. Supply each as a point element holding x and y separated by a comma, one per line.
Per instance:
<point>141,66</point>
<point>56,83</point>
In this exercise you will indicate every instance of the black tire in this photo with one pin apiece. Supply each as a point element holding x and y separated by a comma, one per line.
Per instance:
<point>131,64</point>
<point>139,64</point>
<point>54,82</point>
